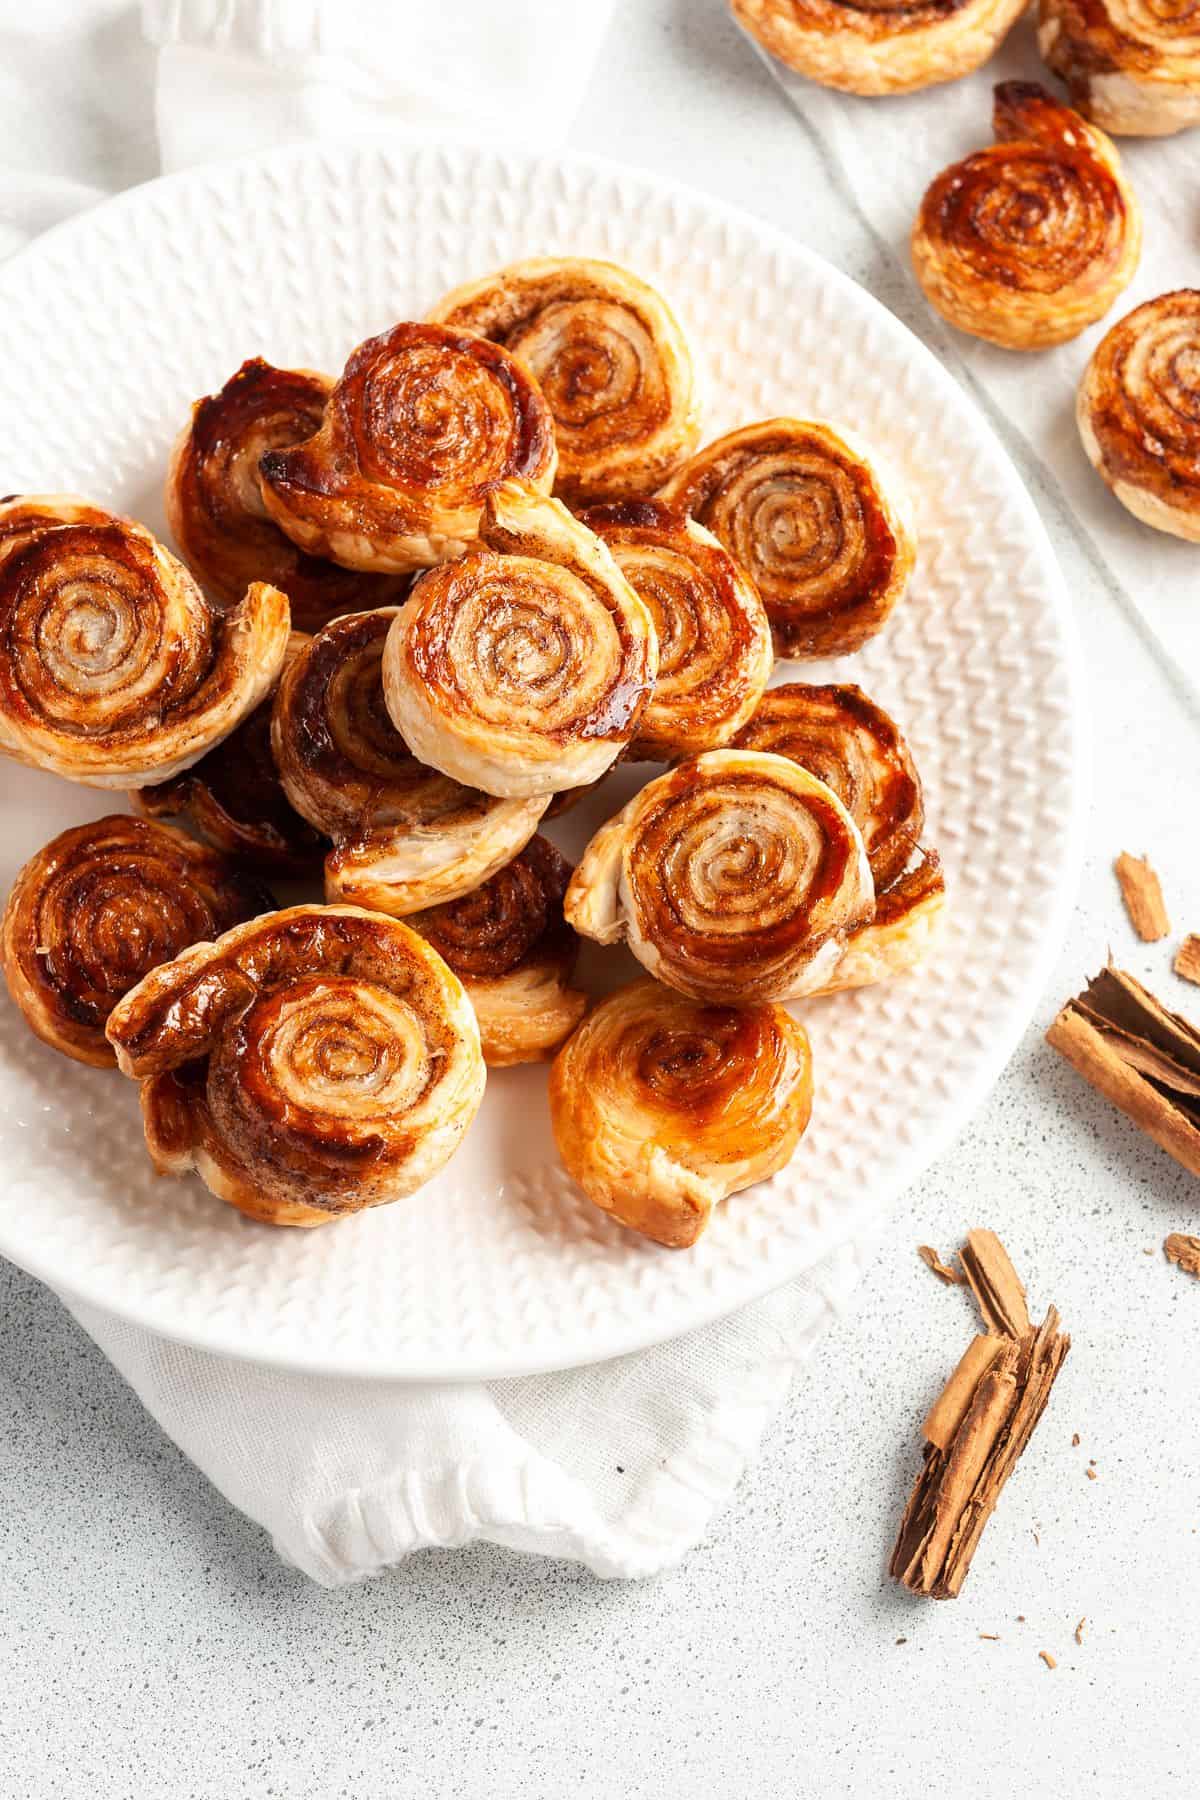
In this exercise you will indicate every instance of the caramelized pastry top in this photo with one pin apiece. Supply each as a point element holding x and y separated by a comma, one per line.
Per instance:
<point>101,906</point>
<point>1131,66</point>
<point>215,505</point>
<point>610,358</point>
<point>907,922</point>
<point>879,46</point>
<point>424,423</point>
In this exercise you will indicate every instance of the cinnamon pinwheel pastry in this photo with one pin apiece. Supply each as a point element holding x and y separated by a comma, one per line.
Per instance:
<point>609,356</point>
<point>25,516</point>
<point>662,1107</point>
<point>904,928</point>
<point>879,46</point>
<point>714,643</point>
<point>1030,241</point>
<point>114,669</point>
<point>424,423</point>
<point>1139,412</point>
<point>234,798</point>
<point>215,504</point>
<point>523,668</point>
<point>817,520</point>
<point>513,951</point>
<point>1131,66</point>
<point>735,876</point>
<point>405,836</point>
<point>101,906</point>
<point>852,745</point>
<point>318,1061</point>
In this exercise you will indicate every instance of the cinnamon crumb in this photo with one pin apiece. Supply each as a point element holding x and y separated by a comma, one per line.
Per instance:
<point>1050,1661</point>
<point>1075,1440</point>
<point>993,1637</point>
<point>1037,1540</point>
<point>1183,1251</point>
<point>1141,891</point>
<point>1079,1629</point>
<point>1090,1473</point>
<point>1020,1618</point>
<point>902,1640</point>
<point>929,1256</point>
<point>1187,958</point>
<point>1148,1250</point>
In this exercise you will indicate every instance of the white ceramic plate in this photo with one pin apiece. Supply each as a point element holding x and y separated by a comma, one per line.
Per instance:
<point>110,327</point>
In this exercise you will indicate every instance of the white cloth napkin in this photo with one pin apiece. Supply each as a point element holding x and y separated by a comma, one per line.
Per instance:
<point>620,1466</point>
<point>886,152</point>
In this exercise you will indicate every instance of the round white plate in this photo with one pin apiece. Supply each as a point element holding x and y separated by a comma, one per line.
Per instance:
<point>111,326</point>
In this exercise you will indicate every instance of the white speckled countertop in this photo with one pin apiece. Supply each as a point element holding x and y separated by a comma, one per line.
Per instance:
<point>152,1645</point>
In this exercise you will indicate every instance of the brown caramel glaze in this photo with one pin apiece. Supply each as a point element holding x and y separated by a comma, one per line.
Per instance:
<point>1142,400</point>
<point>25,517</point>
<point>215,506</point>
<point>235,799</point>
<point>882,19</point>
<point>101,906</point>
<point>830,731</point>
<point>1088,41</point>
<point>512,920</point>
<point>910,890</point>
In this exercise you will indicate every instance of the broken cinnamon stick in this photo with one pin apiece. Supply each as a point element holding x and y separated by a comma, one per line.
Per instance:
<point>942,1270</point>
<point>998,1293</point>
<point>1187,958</point>
<point>1184,1251</point>
<point>1142,1057</point>
<point>1141,891</point>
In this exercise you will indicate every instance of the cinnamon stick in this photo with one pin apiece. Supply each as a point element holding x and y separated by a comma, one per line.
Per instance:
<point>942,1270</point>
<point>998,1293</point>
<point>1187,958</point>
<point>1142,1057</point>
<point>1184,1251</point>
<point>1141,891</point>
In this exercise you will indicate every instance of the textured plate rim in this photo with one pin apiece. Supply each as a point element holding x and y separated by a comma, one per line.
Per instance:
<point>1022,1003</point>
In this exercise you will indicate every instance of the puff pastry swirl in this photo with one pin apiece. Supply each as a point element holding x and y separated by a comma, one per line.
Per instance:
<point>736,876</point>
<point>114,668</point>
<point>841,736</point>
<point>101,906</point>
<point>423,424</point>
<point>821,525</point>
<point>214,498</point>
<point>1139,412</point>
<point>513,951</point>
<point>315,1062</point>
<point>714,642</point>
<point>1131,66</point>
<point>611,359</point>
<point>405,836</point>
<point>662,1106</point>
<point>523,668</point>
<point>1031,240</point>
<point>879,46</point>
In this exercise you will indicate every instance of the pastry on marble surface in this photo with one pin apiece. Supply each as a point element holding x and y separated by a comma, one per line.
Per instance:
<point>817,520</point>
<point>234,798</point>
<point>215,506</point>
<point>879,46</point>
<point>405,836</point>
<point>1131,66</point>
<point>101,906</point>
<point>1030,241</point>
<point>513,951</point>
<point>735,876</point>
<point>523,668</point>
<point>662,1106</point>
<point>714,642</point>
<point>422,425</point>
<point>1139,412</point>
<point>114,668</point>
<point>902,932</point>
<point>851,744</point>
<point>611,359</point>
<point>312,1063</point>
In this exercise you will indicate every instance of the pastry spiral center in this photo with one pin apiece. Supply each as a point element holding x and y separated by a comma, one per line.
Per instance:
<point>1042,216</point>
<point>797,525</point>
<point>435,417</point>
<point>598,367</point>
<point>1161,381</point>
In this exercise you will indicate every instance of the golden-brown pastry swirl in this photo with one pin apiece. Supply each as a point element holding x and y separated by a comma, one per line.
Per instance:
<point>1031,240</point>
<point>609,356</point>
<point>405,836</point>
<point>422,425</point>
<point>822,527</point>
<point>662,1106</point>
<point>906,924</point>
<point>851,745</point>
<point>513,951</point>
<point>101,906</point>
<point>234,798</point>
<point>523,668</point>
<point>736,876</point>
<point>714,642</point>
<point>1131,66</point>
<point>879,46</point>
<point>215,505</point>
<point>1139,412</point>
<point>114,668</point>
<point>315,1062</point>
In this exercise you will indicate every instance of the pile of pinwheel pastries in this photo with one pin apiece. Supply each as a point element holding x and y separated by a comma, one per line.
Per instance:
<point>418,611</point>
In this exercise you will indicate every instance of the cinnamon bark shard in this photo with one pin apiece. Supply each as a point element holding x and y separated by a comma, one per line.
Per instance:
<point>1184,1251</point>
<point>1187,958</point>
<point>1141,891</point>
<point>943,1271</point>
<point>1142,1057</point>
<point>998,1293</point>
